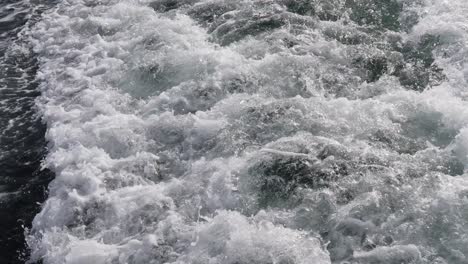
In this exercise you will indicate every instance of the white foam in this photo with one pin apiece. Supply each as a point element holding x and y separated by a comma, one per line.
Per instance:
<point>163,141</point>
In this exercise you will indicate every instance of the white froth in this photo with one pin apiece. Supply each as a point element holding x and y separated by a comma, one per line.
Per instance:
<point>165,138</point>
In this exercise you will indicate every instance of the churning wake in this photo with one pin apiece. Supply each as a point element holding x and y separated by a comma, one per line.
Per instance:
<point>254,131</point>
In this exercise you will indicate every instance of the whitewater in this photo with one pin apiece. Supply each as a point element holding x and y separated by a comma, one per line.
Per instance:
<point>253,131</point>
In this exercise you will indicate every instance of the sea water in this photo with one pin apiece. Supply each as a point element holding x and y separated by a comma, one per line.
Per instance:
<point>254,131</point>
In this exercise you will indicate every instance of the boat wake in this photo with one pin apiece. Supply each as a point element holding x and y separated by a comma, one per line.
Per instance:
<point>260,131</point>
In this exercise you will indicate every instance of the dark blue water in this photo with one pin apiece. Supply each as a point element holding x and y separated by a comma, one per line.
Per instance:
<point>22,144</point>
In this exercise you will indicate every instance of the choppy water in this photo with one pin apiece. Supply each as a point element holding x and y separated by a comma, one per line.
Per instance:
<point>254,131</point>
<point>22,144</point>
